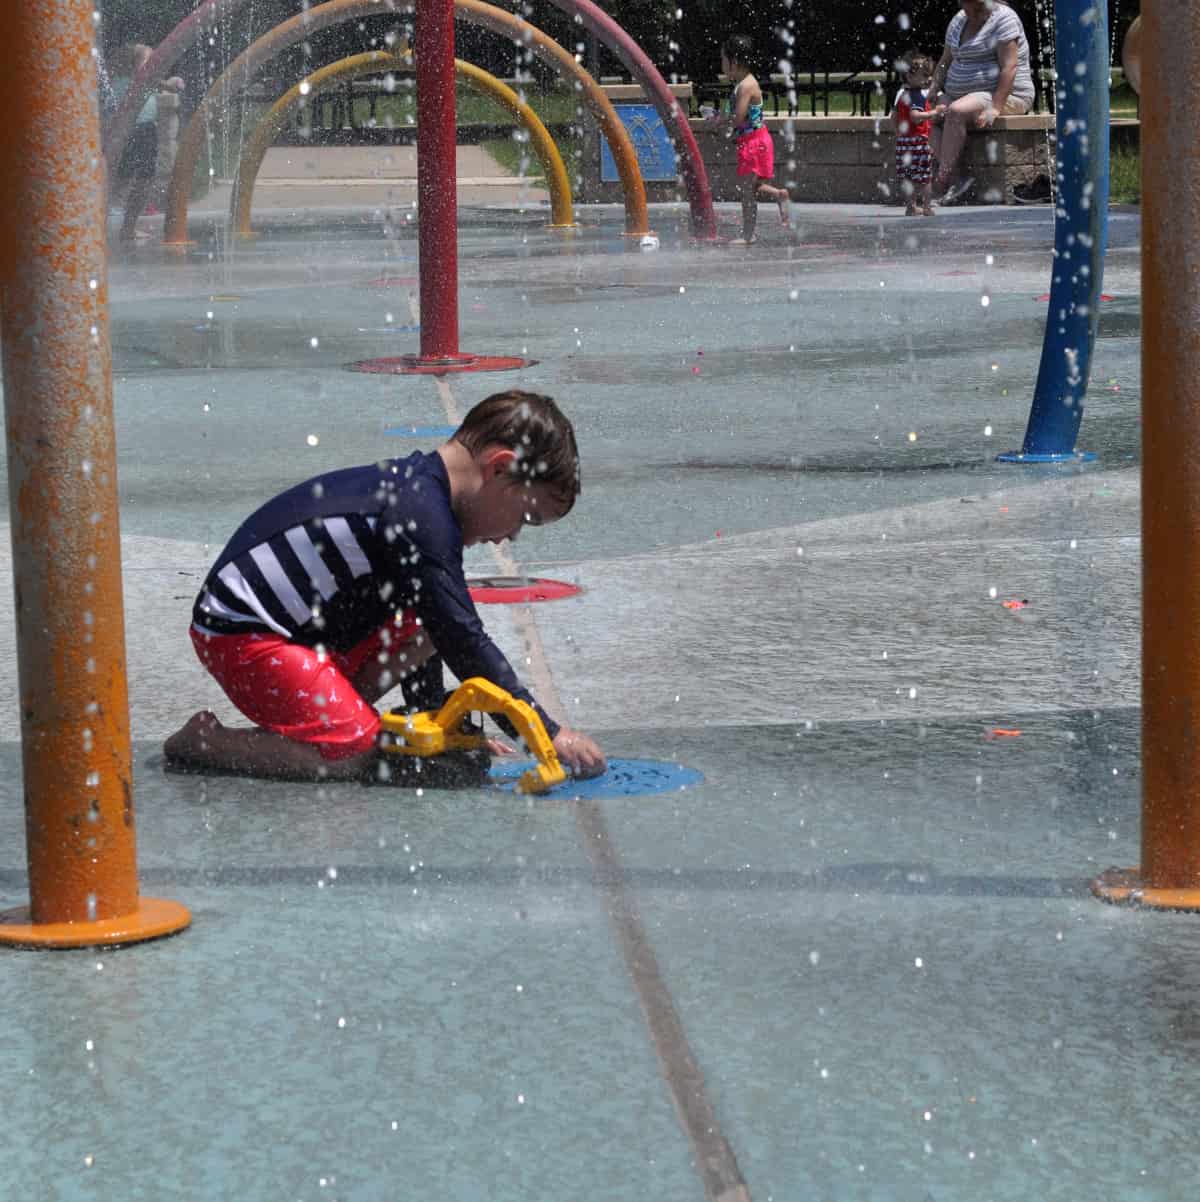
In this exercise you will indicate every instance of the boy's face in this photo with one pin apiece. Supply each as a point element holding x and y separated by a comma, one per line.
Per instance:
<point>505,503</point>
<point>918,77</point>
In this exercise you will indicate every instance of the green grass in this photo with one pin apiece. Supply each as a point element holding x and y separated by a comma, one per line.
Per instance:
<point>1124,177</point>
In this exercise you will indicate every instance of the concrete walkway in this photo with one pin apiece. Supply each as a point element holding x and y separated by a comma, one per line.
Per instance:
<point>326,177</point>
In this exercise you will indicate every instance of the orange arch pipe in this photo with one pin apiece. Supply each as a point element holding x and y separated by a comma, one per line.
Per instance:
<point>300,27</point>
<point>561,212</point>
<point>73,694</point>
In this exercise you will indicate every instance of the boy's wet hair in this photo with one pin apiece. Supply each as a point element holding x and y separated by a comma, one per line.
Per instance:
<point>536,429</point>
<point>914,60</point>
<point>739,49</point>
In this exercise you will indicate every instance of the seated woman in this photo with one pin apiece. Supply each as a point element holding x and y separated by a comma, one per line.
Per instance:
<point>983,73</point>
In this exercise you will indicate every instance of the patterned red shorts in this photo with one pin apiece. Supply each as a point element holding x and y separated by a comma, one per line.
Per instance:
<point>914,159</point>
<point>294,691</point>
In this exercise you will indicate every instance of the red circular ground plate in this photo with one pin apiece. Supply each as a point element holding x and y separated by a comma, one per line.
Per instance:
<point>414,365</point>
<point>514,590</point>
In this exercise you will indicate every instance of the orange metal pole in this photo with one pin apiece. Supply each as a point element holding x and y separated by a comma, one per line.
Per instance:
<point>63,495</point>
<point>1169,876</point>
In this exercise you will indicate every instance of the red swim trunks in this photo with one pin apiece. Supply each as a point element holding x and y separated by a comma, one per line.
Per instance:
<point>295,691</point>
<point>756,154</point>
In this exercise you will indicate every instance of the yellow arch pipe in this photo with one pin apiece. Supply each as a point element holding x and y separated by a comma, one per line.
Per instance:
<point>562,214</point>
<point>302,26</point>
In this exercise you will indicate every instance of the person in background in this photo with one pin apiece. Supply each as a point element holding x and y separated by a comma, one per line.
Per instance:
<point>755,150</point>
<point>983,73</point>
<point>134,175</point>
<point>910,119</point>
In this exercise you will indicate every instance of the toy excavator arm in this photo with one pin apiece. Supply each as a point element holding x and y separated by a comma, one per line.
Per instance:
<point>433,733</point>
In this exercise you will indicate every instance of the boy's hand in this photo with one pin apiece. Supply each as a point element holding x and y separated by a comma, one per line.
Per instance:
<point>579,754</point>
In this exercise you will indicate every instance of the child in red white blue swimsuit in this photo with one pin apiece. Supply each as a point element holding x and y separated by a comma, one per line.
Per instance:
<point>755,150</point>
<point>910,119</point>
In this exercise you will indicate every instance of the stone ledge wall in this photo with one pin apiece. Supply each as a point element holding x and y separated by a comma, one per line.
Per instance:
<point>851,160</point>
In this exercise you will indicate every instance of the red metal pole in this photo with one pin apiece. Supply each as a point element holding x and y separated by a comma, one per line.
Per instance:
<point>437,181</point>
<point>62,483</point>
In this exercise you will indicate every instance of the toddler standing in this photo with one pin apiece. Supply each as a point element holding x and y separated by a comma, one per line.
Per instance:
<point>910,119</point>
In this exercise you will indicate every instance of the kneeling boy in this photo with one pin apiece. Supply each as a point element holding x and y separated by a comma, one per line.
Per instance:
<point>352,582</point>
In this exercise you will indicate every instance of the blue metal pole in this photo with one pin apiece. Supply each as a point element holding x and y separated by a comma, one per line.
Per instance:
<point>1080,234</point>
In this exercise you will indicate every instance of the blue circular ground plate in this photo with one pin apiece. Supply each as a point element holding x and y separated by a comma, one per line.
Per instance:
<point>624,778</point>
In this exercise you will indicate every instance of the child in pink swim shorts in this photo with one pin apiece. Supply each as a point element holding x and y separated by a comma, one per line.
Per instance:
<point>755,150</point>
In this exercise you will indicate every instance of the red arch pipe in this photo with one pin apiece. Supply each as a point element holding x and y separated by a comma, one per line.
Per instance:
<point>695,178</point>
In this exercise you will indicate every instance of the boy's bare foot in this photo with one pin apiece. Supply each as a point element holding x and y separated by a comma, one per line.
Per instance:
<point>192,742</point>
<point>742,241</point>
<point>927,211</point>
<point>910,211</point>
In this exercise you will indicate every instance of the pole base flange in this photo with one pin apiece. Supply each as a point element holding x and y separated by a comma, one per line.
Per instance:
<point>1046,457</point>
<point>1125,887</point>
<point>154,918</point>
<point>438,365</point>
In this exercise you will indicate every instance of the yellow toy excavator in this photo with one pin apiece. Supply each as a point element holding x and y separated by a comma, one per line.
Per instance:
<point>429,733</point>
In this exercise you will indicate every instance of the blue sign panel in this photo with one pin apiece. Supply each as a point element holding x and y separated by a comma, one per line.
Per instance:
<point>651,142</point>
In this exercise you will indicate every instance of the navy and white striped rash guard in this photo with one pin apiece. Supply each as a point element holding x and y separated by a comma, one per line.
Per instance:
<point>334,559</point>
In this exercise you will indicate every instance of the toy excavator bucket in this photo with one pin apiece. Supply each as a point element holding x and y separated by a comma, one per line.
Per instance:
<point>428,733</point>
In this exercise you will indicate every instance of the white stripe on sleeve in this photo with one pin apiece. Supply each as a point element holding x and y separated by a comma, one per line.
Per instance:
<point>235,582</point>
<point>211,605</point>
<point>347,544</point>
<point>312,562</point>
<point>279,583</point>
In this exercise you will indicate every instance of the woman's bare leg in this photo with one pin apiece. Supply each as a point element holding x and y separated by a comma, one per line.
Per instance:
<point>948,141</point>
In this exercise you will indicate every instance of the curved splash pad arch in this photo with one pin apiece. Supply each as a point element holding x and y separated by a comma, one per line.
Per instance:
<point>296,29</point>
<point>264,133</point>
<point>499,21</point>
